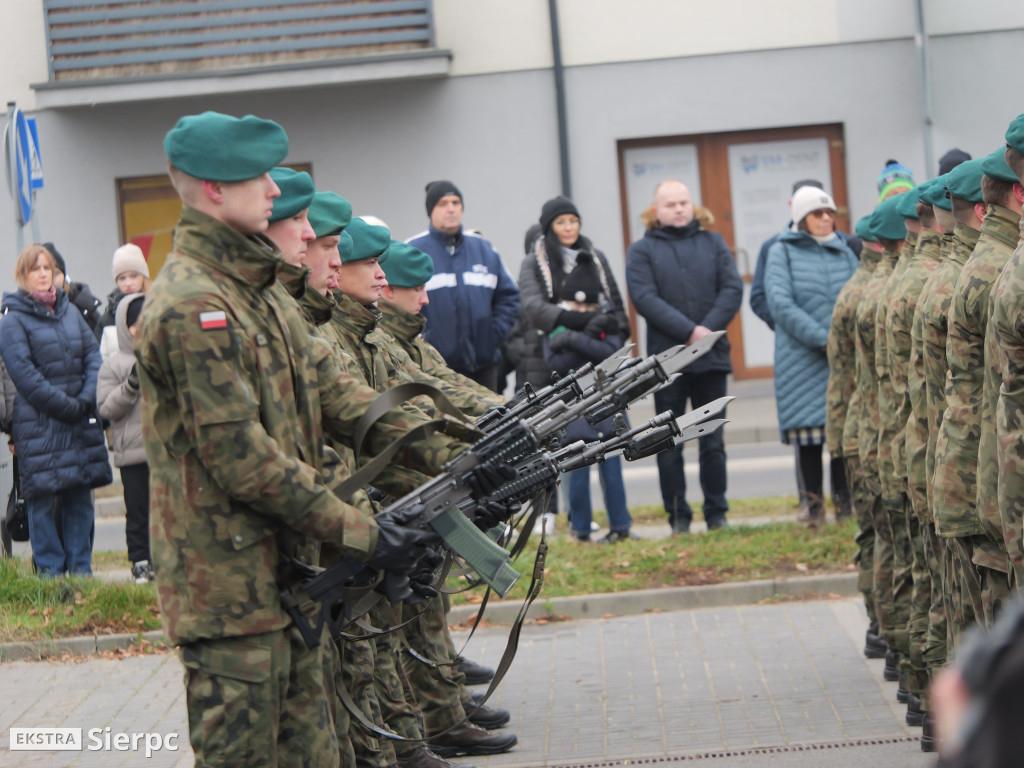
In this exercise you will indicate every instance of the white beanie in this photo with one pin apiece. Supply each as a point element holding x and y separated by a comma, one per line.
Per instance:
<point>807,199</point>
<point>129,258</point>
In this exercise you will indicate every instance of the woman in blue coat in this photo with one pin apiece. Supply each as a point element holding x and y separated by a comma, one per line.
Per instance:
<point>807,267</point>
<point>53,360</point>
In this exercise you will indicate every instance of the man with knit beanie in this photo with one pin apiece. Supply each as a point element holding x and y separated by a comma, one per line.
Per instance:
<point>474,300</point>
<point>79,294</point>
<point>131,275</point>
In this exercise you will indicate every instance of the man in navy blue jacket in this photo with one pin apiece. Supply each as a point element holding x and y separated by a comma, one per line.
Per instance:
<point>683,281</point>
<point>473,299</point>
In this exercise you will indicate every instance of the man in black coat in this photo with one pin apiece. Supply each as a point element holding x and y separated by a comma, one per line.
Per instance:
<point>683,281</point>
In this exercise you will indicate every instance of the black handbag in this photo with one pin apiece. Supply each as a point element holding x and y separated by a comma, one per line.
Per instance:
<point>16,520</point>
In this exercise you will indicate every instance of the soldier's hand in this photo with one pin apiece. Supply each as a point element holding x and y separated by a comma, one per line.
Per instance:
<point>485,479</point>
<point>399,544</point>
<point>492,513</point>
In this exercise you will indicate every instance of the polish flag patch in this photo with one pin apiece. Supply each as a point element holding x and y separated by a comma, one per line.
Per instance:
<point>210,321</point>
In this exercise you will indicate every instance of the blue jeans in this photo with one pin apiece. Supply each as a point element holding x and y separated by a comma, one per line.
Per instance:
<point>580,511</point>
<point>698,389</point>
<point>76,512</point>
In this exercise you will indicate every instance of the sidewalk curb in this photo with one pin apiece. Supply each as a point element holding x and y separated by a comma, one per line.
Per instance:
<point>669,599</point>
<point>585,607</point>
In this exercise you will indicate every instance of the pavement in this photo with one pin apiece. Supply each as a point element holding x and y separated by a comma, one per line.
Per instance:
<point>765,684</point>
<point>753,674</point>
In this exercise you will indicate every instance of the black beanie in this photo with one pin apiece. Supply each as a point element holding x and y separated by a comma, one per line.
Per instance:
<point>131,315</point>
<point>56,257</point>
<point>438,189</point>
<point>583,285</point>
<point>554,208</point>
<point>951,160</point>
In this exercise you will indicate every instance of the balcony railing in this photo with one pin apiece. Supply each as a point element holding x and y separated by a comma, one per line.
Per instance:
<point>103,40</point>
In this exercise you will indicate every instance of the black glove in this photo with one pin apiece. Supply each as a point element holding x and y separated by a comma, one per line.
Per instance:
<point>598,326</point>
<point>133,378</point>
<point>575,320</point>
<point>492,513</point>
<point>485,479</point>
<point>398,544</point>
<point>562,340</point>
<point>416,586</point>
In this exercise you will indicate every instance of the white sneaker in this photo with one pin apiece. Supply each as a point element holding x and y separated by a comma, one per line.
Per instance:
<point>545,524</point>
<point>594,527</point>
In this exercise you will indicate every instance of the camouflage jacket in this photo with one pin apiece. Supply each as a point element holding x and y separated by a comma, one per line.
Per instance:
<point>867,380</point>
<point>841,397</point>
<point>891,485</point>
<point>987,499</point>
<point>956,448</point>
<point>933,332</point>
<point>407,329</point>
<point>899,322</point>
<point>916,430</point>
<point>1007,321</point>
<point>235,396</point>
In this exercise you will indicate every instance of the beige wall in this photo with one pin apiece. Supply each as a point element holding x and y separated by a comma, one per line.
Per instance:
<point>23,54</point>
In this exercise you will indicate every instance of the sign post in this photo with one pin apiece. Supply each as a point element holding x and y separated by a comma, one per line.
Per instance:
<point>24,169</point>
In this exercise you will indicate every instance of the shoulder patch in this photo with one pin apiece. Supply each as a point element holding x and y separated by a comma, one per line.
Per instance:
<point>210,321</point>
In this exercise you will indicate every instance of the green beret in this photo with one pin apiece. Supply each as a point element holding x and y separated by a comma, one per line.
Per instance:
<point>329,213</point>
<point>408,266</point>
<point>935,193</point>
<point>217,147</point>
<point>369,241</point>
<point>995,165</point>
<point>1015,133</point>
<point>863,228</point>
<point>886,222</point>
<point>906,202</point>
<point>297,192</point>
<point>345,246</point>
<point>964,181</point>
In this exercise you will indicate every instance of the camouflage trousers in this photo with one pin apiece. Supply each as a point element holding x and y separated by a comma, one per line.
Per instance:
<point>883,569</point>
<point>996,574</point>
<point>934,653</point>
<point>963,588</point>
<point>430,664</point>
<point>358,663</point>
<point>865,558</point>
<point>916,680</point>
<point>895,512</point>
<point>261,701</point>
<point>398,709</point>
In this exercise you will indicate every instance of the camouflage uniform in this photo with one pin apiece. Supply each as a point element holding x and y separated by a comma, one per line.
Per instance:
<point>407,329</point>
<point>956,450</point>
<point>987,502</point>
<point>893,490</point>
<point>437,683</point>
<point>1009,330</point>
<point>930,336</point>
<point>867,426</point>
<point>899,322</point>
<point>226,364</point>
<point>842,406</point>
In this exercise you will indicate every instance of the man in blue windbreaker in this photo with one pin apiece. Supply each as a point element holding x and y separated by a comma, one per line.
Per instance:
<point>473,299</point>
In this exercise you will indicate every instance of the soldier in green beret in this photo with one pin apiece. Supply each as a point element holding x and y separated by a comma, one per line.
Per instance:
<point>407,271</point>
<point>440,691</point>
<point>889,231</point>
<point>1006,313</point>
<point>236,396</point>
<point>977,544</point>
<point>844,408</point>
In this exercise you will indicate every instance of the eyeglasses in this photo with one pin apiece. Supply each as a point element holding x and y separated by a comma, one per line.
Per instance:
<point>822,213</point>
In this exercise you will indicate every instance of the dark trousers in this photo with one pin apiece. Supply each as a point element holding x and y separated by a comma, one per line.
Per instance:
<point>135,479</point>
<point>697,389</point>
<point>809,471</point>
<point>489,377</point>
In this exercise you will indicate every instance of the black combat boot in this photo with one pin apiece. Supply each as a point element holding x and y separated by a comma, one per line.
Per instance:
<point>421,757</point>
<point>469,739</point>
<point>476,674</point>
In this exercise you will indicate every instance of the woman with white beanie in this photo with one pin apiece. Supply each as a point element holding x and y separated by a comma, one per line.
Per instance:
<point>131,275</point>
<point>806,269</point>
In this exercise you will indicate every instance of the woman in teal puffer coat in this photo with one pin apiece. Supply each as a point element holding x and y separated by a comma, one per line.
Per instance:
<point>807,268</point>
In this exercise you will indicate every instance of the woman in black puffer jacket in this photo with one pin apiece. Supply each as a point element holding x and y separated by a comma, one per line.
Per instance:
<point>557,252</point>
